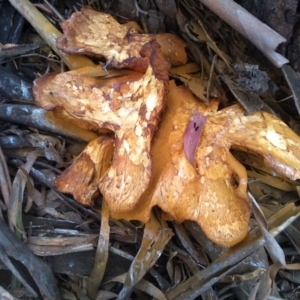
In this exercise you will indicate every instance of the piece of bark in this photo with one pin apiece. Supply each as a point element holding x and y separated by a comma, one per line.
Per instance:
<point>13,141</point>
<point>11,24</point>
<point>261,35</point>
<point>11,50</point>
<point>13,86</point>
<point>31,116</point>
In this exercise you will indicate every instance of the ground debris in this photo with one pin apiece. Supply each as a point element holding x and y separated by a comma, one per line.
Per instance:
<point>93,252</point>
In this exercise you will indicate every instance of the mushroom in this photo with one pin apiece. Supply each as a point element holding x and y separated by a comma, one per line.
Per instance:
<point>129,105</point>
<point>123,45</point>
<point>212,189</point>
<point>187,168</point>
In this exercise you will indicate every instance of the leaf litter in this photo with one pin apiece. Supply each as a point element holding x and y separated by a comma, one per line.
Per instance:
<point>54,225</point>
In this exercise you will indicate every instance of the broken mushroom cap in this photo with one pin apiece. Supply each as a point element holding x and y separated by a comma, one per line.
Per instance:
<point>81,178</point>
<point>213,191</point>
<point>99,34</point>
<point>129,105</point>
<point>176,185</point>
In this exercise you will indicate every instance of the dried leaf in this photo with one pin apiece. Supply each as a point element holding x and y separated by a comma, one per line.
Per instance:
<point>253,293</point>
<point>293,276</point>
<point>243,277</point>
<point>156,236</point>
<point>17,191</point>
<point>186,69</point>
<point>58,250</point>
<point>101,257</point>
<point>5,181</point>
<point>202,35</point>
<point>170,265</point>
<point>195,84</point>
<point>142,285</point>
<point>187,74</point>
<point>293,234</point>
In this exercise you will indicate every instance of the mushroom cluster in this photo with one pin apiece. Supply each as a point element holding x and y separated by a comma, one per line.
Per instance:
<point>169,149</point>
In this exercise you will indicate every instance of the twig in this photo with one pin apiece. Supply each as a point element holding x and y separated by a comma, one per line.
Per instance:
<point>48,32</point>
<point>55,11</point>
<point>261,35</point>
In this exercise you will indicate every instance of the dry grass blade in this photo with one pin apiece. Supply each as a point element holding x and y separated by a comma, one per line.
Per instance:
<point>253,293</point>
<point>66,242</point>
<point>273,181</point>
<point>293,234</point>
<point>156,236</point>
<point>142,285</point>
<point>17,191</point>
<point>243,277</point>
<point>259,216</point>
<point>95,279</point>
<point>202,34</point>
<point>5,181</point>
<point>292,78</point>
<point>272,245</point>
<point>198,255</point>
